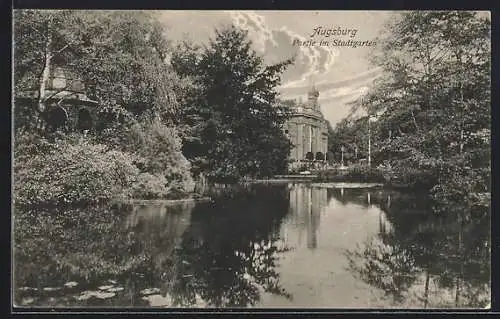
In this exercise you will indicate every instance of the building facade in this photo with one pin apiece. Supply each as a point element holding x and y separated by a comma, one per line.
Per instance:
<point>307,129</point>
<point>68,108</point>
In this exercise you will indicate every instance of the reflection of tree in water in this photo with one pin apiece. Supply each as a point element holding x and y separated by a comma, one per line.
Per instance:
<point>87,245</point>
<point>423,248</point>
<point>358,196</point>
<point>389,268</point>
<point>229,253</point>
<point>224,251</point>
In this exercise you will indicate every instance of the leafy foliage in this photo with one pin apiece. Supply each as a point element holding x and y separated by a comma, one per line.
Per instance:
<point>436,99</point>
<point>121,58</point>
<point>432,103</point>
<point>235,120</point>
<point>68,171</point>
<point>352,135</point>
<point>160,149</point>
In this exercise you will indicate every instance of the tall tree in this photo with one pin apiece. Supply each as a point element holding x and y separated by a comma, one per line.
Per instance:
<point>352,135</point>
<point>435,100</point>
<point>120,56</point>
<point>239,124</point>
<point>40,40</point>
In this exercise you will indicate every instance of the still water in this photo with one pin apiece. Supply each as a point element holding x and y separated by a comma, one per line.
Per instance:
<point>284,245</point>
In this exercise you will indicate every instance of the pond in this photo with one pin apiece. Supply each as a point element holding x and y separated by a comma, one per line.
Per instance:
<point>277,245</point>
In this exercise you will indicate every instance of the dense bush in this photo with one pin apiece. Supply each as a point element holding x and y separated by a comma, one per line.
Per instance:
<point>412,177</point>
<point>70,168</point>
<point>69,171</point>
<point>159,147</point>
<point>149,186</point>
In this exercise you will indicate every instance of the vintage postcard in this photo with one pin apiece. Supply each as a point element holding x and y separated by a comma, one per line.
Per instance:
<point>251,159</point>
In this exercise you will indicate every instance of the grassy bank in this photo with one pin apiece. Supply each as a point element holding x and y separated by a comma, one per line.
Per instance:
<point>352,175</point>
<point>389,178</point>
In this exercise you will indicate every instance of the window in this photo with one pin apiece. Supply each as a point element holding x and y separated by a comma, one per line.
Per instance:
<point>84,120</point>
<point>57,118</point>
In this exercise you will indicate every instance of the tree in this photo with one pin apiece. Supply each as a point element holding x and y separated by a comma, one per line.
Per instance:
<point>434,100</point>
<point>40,40</point>
<point>352,134</point>
<point>434,118</point>
<point>238,130</point>
<point>119,56</point>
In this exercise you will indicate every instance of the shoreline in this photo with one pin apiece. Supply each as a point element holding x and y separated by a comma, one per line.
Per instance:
<point>167,201</point>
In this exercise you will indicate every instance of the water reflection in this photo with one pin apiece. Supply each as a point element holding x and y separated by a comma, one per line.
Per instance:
<point>219,253</point>
<point>422,259</point>
<point>229,253</point>
<point>305,245</point>
<point>306,204</point>
<point>359,196</point>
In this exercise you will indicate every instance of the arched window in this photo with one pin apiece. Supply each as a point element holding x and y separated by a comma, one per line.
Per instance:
<point>309,156</point>
<point>320,156</point>
<point>84,120</point>
<point>57,118</point>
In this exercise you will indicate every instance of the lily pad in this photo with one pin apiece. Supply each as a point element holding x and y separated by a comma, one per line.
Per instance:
<point>85,295</point>
<point>150,291</point>
<point>104,295</point>
<point>97,294</point>
<point>71,284</point>
<point>105,287</point>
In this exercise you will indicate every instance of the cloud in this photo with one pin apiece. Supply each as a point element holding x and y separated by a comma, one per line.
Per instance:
<point>341,75</point>
<point>255,24</point>
<point>276,45</point>
<point>326,87</point>
<point>319,63</point>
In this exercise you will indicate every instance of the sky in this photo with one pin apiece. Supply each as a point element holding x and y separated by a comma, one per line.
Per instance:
<point>341,74</point>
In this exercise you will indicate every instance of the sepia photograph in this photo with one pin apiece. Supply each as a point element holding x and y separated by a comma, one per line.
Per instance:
<point>191,159</point>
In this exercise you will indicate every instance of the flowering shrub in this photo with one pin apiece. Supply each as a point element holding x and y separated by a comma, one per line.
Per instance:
<point>65,172</point>
<point>70,169</point>
<point>161,158</point>
<point>149,186</point>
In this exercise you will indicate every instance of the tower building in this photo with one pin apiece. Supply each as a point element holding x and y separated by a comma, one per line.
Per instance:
<point>307,129</point>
